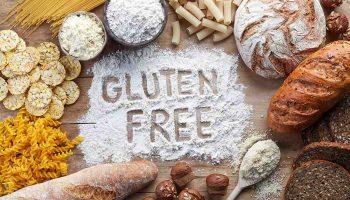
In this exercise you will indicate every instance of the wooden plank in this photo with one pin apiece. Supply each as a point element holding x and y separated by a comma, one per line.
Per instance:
<point>258,93</point>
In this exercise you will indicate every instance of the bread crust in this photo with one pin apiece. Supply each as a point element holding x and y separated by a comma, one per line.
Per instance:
<point>314,87</point>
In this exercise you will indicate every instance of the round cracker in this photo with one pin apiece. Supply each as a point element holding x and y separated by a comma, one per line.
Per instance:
<point>21,46</point>
<point>72,66</point>
<point>53,73</point>
<point>14,102</point>
<point>18,84</point>
<point>7,72</point>
<point>61,94</point>
<point>3,61</point>
<point>72,91</point>
<point>48,52</point>
<point>39,95</point>
<point>34,110</point>
<point>21,63</point>
<point>56,108</point>
<point>34,54</point>
<point>8,40</point>
<point>35,75</point>
<point>3,89</point>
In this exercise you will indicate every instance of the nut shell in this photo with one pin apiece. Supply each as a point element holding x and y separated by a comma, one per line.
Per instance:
<point>337,23</point>
<point>331,4</point>
<point>190,194</point>
<point>217,181</point>
<point>166,190</point>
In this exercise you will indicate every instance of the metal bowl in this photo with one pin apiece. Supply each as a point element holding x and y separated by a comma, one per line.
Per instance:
<point>134,45</point>
<point>92,15</point>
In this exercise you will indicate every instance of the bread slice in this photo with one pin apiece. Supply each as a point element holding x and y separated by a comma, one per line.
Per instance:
<point>318,180</point>
<point>330,151</point>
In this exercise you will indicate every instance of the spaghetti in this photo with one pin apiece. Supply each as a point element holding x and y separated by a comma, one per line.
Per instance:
<point>33,13</point>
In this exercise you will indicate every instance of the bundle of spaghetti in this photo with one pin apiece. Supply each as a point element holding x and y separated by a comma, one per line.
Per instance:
<point>33,13</point>
<point>32,150</point>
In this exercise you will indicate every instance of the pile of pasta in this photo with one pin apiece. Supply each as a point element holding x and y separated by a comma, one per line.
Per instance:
<point>207,17</point>
<point>32,150</point>
<point>33,13</point>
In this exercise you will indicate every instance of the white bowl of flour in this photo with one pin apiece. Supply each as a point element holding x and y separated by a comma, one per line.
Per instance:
<point>135,23</point>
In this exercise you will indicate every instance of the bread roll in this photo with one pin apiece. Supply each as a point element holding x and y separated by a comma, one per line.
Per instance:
<point>314,87</point>
<point>107,182</point>
<point>274,36</point>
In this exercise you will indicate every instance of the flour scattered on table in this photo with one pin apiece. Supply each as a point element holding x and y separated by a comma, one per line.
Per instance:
<point>154,103</point>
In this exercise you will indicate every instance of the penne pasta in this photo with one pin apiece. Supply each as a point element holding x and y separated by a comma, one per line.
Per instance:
<point>214,10</point>
<point>214,25</point>
<point>194,9</point>
<point>176,33</point>
<point>204,33</point>
<point>188,16</point>
<point>218,36</point>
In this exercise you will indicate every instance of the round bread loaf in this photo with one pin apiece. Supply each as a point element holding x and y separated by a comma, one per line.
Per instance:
<point>274,36</point>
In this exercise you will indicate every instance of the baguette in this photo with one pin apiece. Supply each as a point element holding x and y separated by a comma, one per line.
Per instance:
<point>314,87</point>
<point>101,182</point>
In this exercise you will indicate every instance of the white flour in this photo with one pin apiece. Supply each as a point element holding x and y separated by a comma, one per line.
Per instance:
<point>135,21</point>
<point>229,115</point>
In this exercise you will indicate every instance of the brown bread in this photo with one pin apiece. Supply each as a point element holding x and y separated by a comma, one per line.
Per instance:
<point>107,182</point>
<point>318,180</point>
<point>330,151</point>
<point>334,126</point>
<point>314,87</point>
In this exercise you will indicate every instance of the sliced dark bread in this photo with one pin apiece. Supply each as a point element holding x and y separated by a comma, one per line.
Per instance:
<point>318,180</point>
<point>330,151</point>
<point>334,126</point>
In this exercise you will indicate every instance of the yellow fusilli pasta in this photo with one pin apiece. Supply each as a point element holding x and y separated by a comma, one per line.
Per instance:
<point>32,150</point>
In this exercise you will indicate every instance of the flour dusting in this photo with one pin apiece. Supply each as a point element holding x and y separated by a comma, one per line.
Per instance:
<point>159,104</point>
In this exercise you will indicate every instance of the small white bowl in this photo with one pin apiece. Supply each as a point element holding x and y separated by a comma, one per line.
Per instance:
<point>93,16</point>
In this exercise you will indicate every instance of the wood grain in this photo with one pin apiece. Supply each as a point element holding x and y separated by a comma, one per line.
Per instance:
<point>258,93</point>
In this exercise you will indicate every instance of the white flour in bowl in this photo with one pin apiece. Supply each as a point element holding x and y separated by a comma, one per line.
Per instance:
<point>159,104</point>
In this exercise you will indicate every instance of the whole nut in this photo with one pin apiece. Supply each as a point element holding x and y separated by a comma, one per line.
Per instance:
<point>337,23</point>
<point>217,184</point>
<point>166,190</point>
<point>190,194</point>
<point>182,174</point>
<point>149,198</point>
<point>346,35</point>
<point>331,4</point>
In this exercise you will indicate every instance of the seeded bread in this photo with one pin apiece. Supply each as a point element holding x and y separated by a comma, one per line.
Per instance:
<point>318,180</point>
<point>330,151</point>
<point>334,126</point>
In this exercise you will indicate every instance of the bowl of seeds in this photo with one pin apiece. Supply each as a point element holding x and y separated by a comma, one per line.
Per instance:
<point>135,23</point>
<point>82,35</point>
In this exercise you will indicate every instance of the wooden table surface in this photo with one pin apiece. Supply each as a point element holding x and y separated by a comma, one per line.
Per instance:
<point>258,94</point>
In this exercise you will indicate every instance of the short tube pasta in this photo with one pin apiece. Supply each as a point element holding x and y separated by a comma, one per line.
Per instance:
<point>227,12</point>
<point>188,16</point>
<point>214,25</point>
<point>176,33</point>
<point>218,36</point>
<point>204,33</point>
<point>201,4</point>
<point>192,30</point>
<point>220,5</point>
<point>214,10</point>
<point>194,9</point>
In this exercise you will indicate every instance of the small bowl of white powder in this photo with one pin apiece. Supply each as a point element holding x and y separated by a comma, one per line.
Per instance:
<point>135,23</point>
<point>82,35</point>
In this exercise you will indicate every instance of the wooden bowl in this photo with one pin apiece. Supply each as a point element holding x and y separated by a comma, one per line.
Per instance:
<point>134,45</point>
<point>93,16</point>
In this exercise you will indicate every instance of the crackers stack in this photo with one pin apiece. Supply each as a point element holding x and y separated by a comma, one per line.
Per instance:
<point>36,78</point>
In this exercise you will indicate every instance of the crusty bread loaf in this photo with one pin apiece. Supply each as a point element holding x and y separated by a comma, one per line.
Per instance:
<point>274,36</point>
<point>318,180</point>
<point>314,87</point>
<point>330,151</point>
<point>101,182</point>
<point>334,125</point>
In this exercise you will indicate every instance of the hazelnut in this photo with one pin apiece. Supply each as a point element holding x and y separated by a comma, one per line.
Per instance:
<point>182,174</point>
<point>331,4</point>
<point>166,190</point>
<point>337,23</point>
<point>149,198</point>
<point>346,35</point>
<point>217,184</point>
<point>190,194</point>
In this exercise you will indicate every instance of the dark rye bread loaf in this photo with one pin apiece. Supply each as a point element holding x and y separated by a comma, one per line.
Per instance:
<point>334,126</point>
<point>330,151</point>
<point>318,180</point>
